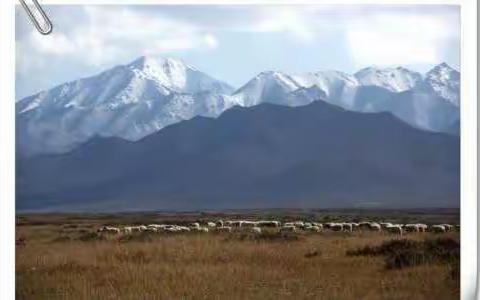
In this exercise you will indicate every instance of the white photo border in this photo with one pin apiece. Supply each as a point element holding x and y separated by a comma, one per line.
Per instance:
<point>468,121</point>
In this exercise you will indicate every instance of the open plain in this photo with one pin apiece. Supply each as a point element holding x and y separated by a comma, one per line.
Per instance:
<point>62,256</point>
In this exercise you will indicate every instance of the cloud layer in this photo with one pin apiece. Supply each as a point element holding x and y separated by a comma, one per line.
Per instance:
<point>87,39</point>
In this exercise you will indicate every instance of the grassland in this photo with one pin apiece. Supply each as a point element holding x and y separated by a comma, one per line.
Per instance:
<point>61,259</point>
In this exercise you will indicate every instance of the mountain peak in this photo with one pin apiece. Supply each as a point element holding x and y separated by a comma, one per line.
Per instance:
<point>151,61</point>
<point>396,79</point>
<point>267,86</point>
<point>136,99</point>
<point>271,74</point>
<point>168,71</point>
<point>442,67</point>
<point>128,101</point>
<point>175,75</point>
<point>445,82</point>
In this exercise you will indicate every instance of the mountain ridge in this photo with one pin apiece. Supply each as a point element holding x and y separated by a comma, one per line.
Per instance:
<point>325,156</point>
<point>137,99</point>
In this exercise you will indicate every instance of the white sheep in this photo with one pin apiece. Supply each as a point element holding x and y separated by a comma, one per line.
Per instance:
<point>312,228</point>
<point>375,226</point>
<point>438,228</point>
<point>394,228</point>
<point>235,223</point>
<point>412,228</point>
<point>448,227</point>
<point>248,224</point>
<point>335,226</point>
<point>317,224</point>
<point>194,225</point>
<point>364,225</point>
<point>183,229</point>
<point>151,229</point>
<point>109,229</point>
<point>347,227</point>
<point>127,230</point>
<point>224,229</point>
<point>299,224</point>
<point>385,224</point>
<point>355,226</point>
<point>136,228</point>
<point>157,226</point>
<point>200,229</point>
<point>256,230</point>
<point>268,223</point>
<point>422,227</point>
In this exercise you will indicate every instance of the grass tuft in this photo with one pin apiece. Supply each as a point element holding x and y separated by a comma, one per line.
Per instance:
<point>408,253</point>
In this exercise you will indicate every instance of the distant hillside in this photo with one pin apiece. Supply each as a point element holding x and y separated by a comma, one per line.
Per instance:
<point>317,155</point>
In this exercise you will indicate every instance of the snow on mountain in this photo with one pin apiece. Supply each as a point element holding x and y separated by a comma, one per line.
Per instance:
<point>129,101</point>
<point>177,76</point>
<point>339,88</point>
<point>266,87</point>
<point>445,82</point>
<point>404,94</point>
<point>397,79</point>
<point>395,90</point>
<point>134,100</point>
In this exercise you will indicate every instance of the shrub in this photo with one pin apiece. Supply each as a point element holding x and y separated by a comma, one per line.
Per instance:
<point>406,258</point>
<point>385,248</point>
<point>406,253</point>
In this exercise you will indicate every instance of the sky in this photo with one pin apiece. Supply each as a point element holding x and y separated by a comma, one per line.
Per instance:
<point>233,43</point>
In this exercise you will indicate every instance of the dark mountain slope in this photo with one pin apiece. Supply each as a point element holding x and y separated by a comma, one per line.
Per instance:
<point>317,155</point>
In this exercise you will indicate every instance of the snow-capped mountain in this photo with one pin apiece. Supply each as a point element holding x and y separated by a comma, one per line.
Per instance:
<point>445,82</point>
<point>398,90</point>
<point>128,101</point>
<point>397,79</point>
<point>267,87</point>
<point>134,100</point>
<point>339,88</point>
<point>177,76</point>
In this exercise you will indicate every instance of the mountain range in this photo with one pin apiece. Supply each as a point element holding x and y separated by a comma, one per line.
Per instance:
<point>317,155</point>
<point>158,133</point>
<point>138,99</point>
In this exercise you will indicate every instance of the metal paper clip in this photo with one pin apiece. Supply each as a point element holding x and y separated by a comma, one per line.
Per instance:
<point>47,26</point>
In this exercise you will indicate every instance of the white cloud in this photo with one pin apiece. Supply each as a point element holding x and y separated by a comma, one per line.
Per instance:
<point>56,43</point>
<point>421,29</point>
<point>375,34</point>
<point>89,39</point>
<point>106,34</point>
<point>211,40</point>
<point>387,39</point>
<point>294,21</point>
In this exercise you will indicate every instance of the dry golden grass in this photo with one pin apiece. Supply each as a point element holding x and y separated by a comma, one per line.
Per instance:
<point>219,266</point>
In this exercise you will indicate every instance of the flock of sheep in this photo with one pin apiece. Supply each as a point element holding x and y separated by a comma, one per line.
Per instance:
<point>257,226</point>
